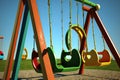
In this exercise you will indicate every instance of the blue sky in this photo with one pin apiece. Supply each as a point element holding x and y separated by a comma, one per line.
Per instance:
<point>109,14</point>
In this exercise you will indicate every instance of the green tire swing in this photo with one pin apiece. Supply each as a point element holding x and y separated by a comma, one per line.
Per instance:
<point>73,64</point>
<point>74,56</point>
<point>55,66</point>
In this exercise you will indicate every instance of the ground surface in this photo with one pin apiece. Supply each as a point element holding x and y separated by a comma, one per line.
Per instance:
<point>88,75</point>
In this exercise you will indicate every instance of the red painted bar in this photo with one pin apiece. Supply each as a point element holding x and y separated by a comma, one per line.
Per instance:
<point>83,42</point>
<point>9,62</point>
<point>85,8</point>
<point>41,45</point>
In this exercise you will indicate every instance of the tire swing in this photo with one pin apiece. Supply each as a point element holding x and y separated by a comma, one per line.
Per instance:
<point>1,52</point>
<point>93,58</point>
<point>24,56</point>
<point>55,66</point>
<point>74,57</point>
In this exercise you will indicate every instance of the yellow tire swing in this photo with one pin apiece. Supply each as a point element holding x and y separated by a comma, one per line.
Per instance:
<point>25,55</point>
<point>93,58</point>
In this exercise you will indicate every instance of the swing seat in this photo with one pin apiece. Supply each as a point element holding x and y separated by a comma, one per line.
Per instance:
<point>53,61</point>
<point>74,61</point>
<point>79,31</point>
<point>1,55</point>
<point>92,58</point>
<point>35,63</point>
<point>24,56</point>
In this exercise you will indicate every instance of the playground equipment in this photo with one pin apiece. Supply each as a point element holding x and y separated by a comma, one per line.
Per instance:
<point>92,58</point>
<point>92,12</point>
<point>55,66</point>
<point>73,64</point>
<point>29,7</point>
<point>1,53</point>
<point>81,34</point>
<point>46,55</point>
<point>24,56</point>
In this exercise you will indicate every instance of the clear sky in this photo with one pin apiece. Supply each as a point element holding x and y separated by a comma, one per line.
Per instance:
<point>109,13</point>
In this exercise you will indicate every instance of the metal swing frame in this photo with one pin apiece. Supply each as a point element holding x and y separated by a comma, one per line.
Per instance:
<point>92,12</point>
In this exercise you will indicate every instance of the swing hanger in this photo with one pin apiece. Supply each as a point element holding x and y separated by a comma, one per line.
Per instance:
<point>89,3</point>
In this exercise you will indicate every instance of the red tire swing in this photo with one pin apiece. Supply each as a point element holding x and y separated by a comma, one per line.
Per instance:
<point>1,53</point>
<point>35,62</point>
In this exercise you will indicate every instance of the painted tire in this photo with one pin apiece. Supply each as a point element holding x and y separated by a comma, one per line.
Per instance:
<point>75,55</point>
<point>24,56</point>
<point>79,31</point>
<point>35,62</point>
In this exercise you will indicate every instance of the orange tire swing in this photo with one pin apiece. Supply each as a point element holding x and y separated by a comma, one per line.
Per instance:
<point>93,58</point>
<point>24,56</point>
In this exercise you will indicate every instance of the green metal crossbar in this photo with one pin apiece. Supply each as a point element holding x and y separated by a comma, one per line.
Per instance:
<point>87,2</point>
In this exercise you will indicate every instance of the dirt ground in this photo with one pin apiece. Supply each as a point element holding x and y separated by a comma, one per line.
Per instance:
<point>88,75</point>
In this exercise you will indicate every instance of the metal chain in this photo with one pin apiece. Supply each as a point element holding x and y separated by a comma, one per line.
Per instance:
<point>103,42</point>
<point>77,22</point>
<point>50,24</point>
<point>77,13</point>
<point>34,43</point>
<point>70,12</point>
<point>70,23</point>
<point>93,34</point>
<point>62,27</point>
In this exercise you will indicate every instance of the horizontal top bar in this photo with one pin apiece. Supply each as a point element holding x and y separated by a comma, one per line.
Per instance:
<point>87,2</point>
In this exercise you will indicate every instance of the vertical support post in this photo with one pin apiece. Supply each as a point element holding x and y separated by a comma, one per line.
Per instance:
<point>37,27</point>
<point>20,47</point>
<point>83,42</point>
<point>9,62</point>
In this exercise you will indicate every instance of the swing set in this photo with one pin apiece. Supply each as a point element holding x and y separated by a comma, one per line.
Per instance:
<point>74,63</point>
<point>92,58</point>
<point>48,64</point>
